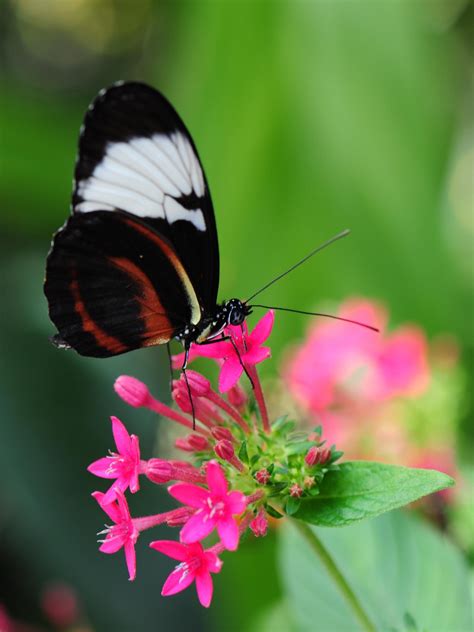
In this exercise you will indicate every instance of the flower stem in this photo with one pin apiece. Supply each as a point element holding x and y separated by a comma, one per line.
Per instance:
<point>259,398</point>
<point>346,591</point>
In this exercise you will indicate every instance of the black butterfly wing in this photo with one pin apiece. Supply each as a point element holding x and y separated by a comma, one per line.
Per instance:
<point>113,284</point>
<point>136,155</point>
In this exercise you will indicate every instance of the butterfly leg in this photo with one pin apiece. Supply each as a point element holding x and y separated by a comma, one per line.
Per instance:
<point>170,363</point>
<point>183,370</point>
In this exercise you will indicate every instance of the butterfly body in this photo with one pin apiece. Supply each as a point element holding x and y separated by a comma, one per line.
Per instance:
<point>137,262</point>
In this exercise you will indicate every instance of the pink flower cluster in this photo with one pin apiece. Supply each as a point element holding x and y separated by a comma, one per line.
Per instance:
<point>360,385</point>
<point>339,362</point>
<point>236,474</point>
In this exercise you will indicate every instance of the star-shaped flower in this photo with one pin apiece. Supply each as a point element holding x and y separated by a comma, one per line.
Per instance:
<point>123,465</point>
<point>121,534</point>
<point>215,506</point>
<point>246,345</point>
<point>196,564</point>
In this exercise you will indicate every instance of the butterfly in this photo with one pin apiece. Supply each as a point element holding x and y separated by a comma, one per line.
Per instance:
<point>137,262</point>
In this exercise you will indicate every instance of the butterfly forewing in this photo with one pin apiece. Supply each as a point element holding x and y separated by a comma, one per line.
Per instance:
<point>137,262</point>
<point>136,155</point>
<point>113,285</point>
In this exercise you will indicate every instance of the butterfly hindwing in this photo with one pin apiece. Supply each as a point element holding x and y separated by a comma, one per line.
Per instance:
<point>136,155</point>
<point>114,284</point>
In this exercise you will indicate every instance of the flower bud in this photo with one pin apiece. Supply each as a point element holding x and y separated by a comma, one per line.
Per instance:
<point>220,433</point>
<point>59,604</point>
<point>198,384</point>
<point>179,516</point>
<point>309,482</point>
<point>259,524</point>
<point>132,391</point>
<point>181,396</point>
<point>317,456</point>
<point>224,450</point>
<point>296,491</point>
<point>237,397</point>
<point>263,476</point>
<point>182,444</point>
<point>159,471</point>
<point>198,442</point>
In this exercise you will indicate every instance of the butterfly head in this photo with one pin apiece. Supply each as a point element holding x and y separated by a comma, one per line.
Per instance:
<point>235,311</point>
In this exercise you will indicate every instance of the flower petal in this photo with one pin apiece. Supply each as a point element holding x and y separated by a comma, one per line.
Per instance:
<point>197,528</point>
<point>230,373</point>
<point>172,549</point>
<point>214,563</point>
<point>216,480</point>
<point>256,355</point>
<point>178,580</point>
<point>103,467</point>
<point>110,496</point>
<point>112,543</point>
<point>135,450</point>
<point>110,509</point>
<point>236,502</point>
<point>262,329</point>
<point>189,494</point>
<point>121,436</point>
<point>130,559</point>
<point>122,505</point>
<point>229,533</point>
<point>204,588</point>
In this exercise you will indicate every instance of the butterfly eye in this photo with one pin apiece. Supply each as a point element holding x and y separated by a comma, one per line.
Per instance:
<point>236,316</point>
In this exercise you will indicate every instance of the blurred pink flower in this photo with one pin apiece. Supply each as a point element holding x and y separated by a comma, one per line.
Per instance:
<point>196,564</point>
<point>215,506</point>
<point>123,465</point>
<point>340,361</point>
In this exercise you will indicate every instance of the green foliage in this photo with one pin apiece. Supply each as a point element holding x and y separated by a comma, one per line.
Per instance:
<point>363,489</point>
<point>396,564</point>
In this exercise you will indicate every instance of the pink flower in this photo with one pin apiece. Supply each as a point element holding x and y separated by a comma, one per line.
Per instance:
<point>60,606</point>
<point>215,508</point>
<point>249,348</point>
<point>340,362</point>
<point>121,534</point>
<point>259,524</point>
<point>123,466</point>
<point>196,564</point>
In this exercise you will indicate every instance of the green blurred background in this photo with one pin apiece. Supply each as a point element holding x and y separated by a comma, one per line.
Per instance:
<point>309,117</point>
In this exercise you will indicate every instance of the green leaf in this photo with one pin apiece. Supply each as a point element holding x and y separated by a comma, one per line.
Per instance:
<point>243,454</point>
<point>363,489</point>
<point>279,422</point>
<point>396,564</point>
<point>273,512</point>
<point>292,505</point>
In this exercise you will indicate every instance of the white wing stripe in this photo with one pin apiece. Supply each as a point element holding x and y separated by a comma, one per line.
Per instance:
<point>113,172</point>
<point>166,145</point>
<point>174,212</point>
<point>144,176</point>
<point>130,156</point>
<point>155,154</point>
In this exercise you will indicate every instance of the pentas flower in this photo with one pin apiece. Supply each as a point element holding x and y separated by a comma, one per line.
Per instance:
<point>196,565</point>
<point>125,530</point>
<point>339,361</point>
<point>239,467</point>
<point>215,508</point>
<point>123,533</point>
<point>123,465</point>
<point>246,350</point>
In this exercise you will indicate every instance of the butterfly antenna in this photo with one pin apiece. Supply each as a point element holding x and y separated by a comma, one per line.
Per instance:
<point>340,235</point>
<point>300,311</point>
